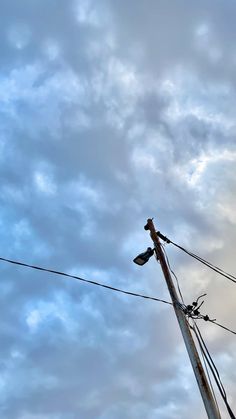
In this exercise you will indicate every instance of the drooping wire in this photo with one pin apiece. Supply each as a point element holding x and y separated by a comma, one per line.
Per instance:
<point>173,273</point>
<point>200,259</point>
<point>208,375</point>
<point>212,367</point>
<point>210,382</point>
<point>209,265</point>
<point>39,268</point>
<point>223,327</point>
<point>206,351</point>
<point>192,312</point>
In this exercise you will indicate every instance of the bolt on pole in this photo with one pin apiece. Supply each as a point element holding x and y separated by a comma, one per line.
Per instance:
<point>206,393</point>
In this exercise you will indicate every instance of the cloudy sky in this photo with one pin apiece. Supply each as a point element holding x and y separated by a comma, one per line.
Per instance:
<point>113,112</point>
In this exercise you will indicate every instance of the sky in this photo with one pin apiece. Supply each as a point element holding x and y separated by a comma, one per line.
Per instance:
<point>113,112</point>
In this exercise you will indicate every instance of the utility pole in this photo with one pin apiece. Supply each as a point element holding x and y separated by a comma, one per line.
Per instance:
<point>202,381</point>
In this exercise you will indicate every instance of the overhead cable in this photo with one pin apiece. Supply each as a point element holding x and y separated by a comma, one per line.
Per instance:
<point>223,327</point>
<point>192,311</point>
<point>173,273</point>
<point>200,259</point>
<point>39,268</point>
<point>208,375</point>
<point>212,367</point>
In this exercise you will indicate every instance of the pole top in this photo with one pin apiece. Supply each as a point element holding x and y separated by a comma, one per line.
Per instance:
<point>149,224</point>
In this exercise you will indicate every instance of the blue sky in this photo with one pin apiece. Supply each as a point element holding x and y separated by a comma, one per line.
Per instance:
<point>113,112</point>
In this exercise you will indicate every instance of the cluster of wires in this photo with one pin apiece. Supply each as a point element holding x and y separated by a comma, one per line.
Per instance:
<point>193,313</point>
<point>210,363</point>
<point>193,310</point>
<point>206,263</point>
<point>200,259</point>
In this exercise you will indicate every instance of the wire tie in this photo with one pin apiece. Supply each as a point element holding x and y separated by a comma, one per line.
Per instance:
<point>164,238</point>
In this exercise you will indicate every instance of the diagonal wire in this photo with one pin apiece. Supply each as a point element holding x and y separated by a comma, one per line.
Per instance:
<point>208,264</point>
<point>223,327</point>
<point>205,349</point>
<point>39,268</point>
<point>173,273</point>
<point>200,259</point>
<point>208,375</point>
<point>213,368</point>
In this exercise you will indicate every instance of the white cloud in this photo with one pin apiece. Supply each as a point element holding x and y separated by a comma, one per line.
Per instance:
<point>44,183</point>
<point>195,169</point>
<point>38,317</point>
<point>112,112</point>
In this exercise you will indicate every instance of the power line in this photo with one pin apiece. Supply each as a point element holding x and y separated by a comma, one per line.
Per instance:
<point>208,264</point>
<point>200,259</point>
<point>193,311</point>
<point>39,268</point>
<point>212,367</point>
<point>198,370</point>
<point>208,376</point>
<point>223,327</point>
<point>173,273</point>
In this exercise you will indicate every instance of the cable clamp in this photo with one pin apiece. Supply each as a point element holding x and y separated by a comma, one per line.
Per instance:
<point>164,238</point>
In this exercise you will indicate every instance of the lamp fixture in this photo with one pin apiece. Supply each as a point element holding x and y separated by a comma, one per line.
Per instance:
<point>144,257</point>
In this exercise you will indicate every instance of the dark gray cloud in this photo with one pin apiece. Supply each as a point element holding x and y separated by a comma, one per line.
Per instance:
<point>112,113</point>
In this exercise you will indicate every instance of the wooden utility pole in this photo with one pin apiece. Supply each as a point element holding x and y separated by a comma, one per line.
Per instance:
<point>206,393</point>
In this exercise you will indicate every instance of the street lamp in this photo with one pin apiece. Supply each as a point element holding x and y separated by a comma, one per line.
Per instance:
<point>144,257</point>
